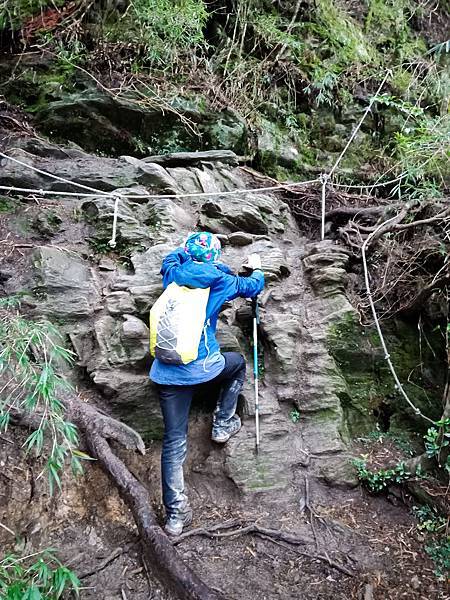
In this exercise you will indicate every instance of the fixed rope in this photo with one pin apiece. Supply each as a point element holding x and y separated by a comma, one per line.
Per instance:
<point>387,356</point>
<point>325,177</point>
<point>96,192</point>
<point>274,188</point>
<point>55,177</point>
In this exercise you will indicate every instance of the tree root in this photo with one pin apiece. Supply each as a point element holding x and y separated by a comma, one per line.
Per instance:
<point>417,488</point>
<point>160,554</point>
<point>424,496</point>
<point>345,213</point>
<point>107,427</point>
<point>102,565</point>
<point>213,532</point>
<point>276,536</point>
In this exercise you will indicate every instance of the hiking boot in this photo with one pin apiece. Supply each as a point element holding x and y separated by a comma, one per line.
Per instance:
<point>176,522</point>
<point>222,433</point>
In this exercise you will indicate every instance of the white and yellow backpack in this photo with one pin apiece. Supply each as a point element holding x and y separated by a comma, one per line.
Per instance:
<point>177,321</point>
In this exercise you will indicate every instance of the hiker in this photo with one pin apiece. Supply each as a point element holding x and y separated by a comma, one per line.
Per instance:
<point>196,265</point>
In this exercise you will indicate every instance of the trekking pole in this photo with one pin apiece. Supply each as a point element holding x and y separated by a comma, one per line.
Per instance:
<point>255,312</point>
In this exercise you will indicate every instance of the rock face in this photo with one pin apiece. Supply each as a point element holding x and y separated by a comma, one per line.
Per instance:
<point>102,122</point>
<point>65,285</point>
<point>102,304</point>
<point>318,400</point>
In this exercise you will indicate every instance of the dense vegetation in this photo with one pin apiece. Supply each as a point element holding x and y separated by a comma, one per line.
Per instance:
<point>300,71</point>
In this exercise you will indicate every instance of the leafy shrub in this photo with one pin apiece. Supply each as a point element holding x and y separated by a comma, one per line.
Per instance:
<point>46,578</point>
<point>31,354</point>
<point>165,29</point>
<point>436,439</point>
<point>439,552</point>
<point>377,481</point>
<point>423,148</point>
<point>428,518</point>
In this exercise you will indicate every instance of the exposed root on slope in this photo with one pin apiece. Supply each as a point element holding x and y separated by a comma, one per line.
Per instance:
<point>277,536</point>
<point>159,552</point>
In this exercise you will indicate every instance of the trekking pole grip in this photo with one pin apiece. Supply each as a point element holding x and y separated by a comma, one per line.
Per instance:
<point>255,308</point>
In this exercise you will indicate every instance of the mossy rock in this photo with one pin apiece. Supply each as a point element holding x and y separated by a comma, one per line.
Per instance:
<point>370,391</point>
<point>148,422</point>
<point>46,224</point>
<point>39,82</point>
<point>8,205</point>
<point>282,153</point>
<point>227,132</point>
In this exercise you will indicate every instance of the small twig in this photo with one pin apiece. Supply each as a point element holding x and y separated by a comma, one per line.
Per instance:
<point>320,557</point>
<point>6,440</point>
<point>311,512</point>
<point>74,559</point>
<point>268,178</point>
<point>7,529</point>
<point>368,592</point>
<point>104,563</point>
<point>307,493</point>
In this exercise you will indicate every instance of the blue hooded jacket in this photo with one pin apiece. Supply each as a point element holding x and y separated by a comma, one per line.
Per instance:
<point>179,267</point>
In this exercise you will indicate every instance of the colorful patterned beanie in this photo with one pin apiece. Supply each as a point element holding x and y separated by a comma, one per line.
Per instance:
<point>203,247</point>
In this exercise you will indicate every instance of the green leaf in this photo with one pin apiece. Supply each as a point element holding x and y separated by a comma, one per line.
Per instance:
<point>77,467</point>
<point>71,432</point>
<point>28,353</point>
<point>63,578</point>
<point>35,440</point>
<point>53,476</point>
<point>32,593</point>
<point>82,455</point>
<point>4,420</point>
<point>42,571</point>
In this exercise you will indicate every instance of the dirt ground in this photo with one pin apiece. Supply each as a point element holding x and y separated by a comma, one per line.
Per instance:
<point>374,537</point>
